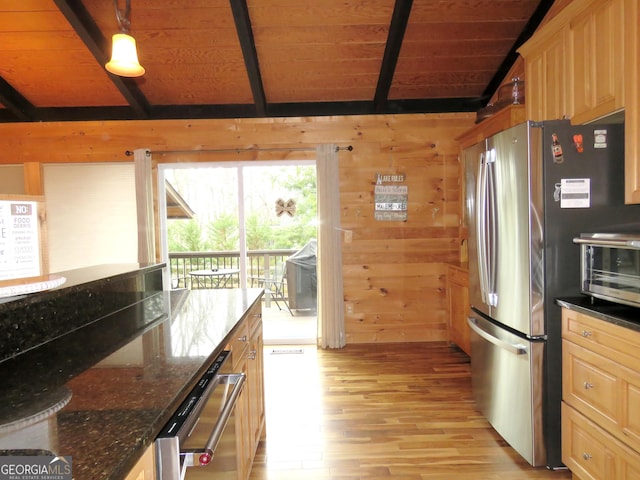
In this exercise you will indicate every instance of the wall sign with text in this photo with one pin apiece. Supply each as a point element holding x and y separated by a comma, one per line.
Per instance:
<point>390,198</point>
<point>19,240</point>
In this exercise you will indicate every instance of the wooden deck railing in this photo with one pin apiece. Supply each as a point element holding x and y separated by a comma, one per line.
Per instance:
<point>260,264</point>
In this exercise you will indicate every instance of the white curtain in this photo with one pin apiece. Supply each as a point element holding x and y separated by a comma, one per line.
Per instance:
<point>144,202</point>
<point>331,333</point>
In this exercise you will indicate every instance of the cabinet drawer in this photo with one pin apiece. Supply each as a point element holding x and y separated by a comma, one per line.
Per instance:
<point>590,383</point>
<point>585,447</point>
<point>604,391</point>
<point>239,343</point>
<point>591,453</point>
<point>617,343</point>
<point>255,317</point>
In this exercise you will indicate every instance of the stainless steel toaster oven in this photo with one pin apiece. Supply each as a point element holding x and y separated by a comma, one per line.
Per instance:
<point>610,267</point>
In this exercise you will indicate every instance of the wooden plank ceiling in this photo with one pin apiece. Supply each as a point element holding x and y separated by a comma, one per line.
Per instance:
<point>258,58</point>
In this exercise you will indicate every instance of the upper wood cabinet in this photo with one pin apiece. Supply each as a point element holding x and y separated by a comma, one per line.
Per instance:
<point>583,65</point>
<point>547,78</point>
<point>596,61</point>
<point>506,118</point>
<point>573,64</point>
<point>632,101</point>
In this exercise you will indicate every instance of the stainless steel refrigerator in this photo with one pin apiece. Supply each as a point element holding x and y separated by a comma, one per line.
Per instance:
<point>529,191</point>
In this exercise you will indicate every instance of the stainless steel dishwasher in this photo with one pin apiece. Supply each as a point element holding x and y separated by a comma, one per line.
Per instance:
<point>202,433</point>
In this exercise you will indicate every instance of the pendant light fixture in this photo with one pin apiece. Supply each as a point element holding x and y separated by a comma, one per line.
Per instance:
<point>124,57</point>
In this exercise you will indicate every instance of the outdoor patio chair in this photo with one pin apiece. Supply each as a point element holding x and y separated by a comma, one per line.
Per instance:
<point>274,288</point>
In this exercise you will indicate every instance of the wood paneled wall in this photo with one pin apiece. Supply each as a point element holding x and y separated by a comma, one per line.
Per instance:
<point>394,272</point>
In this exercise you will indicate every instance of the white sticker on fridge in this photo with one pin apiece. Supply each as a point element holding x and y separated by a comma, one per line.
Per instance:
<point>575,193</point>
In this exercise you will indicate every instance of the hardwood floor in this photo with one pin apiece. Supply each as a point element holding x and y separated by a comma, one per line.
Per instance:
<point>394,411</point>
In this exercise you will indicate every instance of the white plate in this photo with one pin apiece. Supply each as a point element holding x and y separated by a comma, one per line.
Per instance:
<point>23,289</point>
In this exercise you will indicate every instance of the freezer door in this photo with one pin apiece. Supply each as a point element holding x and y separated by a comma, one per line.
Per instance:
<point>475,203</point>
<point>506,373</point>
<point>516,174</point>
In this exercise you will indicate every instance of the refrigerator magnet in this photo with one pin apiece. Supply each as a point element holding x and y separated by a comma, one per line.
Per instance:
<point>556,149</point>
<point>577,141</point>
<point>599,139</point>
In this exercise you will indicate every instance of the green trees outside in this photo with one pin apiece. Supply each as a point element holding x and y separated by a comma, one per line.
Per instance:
<point>299,229</point>
<point>185,236</point>
<point>212,194</point>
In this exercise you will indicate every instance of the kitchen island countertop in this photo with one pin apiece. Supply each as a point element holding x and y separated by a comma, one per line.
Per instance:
<point>101,393</point>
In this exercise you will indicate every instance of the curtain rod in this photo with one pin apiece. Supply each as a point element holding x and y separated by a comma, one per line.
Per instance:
<point>129,153</point>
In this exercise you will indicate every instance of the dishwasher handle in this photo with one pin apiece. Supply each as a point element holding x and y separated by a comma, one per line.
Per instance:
<point>517,349</point>
<point>203,456</point>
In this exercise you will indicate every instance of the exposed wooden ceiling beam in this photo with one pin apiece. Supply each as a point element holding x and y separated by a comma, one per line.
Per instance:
<point>247,43</point>
<point>15,103</point>
<point>76,114</point>
<point>86,28</point>
<point>399,20</point>
<point>310,109</point>
<point>512,56</point>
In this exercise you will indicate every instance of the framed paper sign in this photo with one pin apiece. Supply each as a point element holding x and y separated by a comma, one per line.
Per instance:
<point>390,198</point>
<point>20,239</point>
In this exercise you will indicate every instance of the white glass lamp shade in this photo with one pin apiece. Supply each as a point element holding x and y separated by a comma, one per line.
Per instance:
<point>124,57</point>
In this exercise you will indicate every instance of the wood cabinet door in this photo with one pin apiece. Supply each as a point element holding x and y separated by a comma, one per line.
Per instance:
<point>250,412</point>
<point>458,293</point>
<point>586,449</point>
<point>145,468</point>
<point>547,80</point>
<point>600,377</point>
<point>256,387</point>
<point>632,101</point>
<point>591,453</point>
<point>596,53</point>
<point>591,385</point>
<point>243,444</point>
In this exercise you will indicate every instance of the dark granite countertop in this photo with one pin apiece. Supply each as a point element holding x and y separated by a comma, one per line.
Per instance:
<point>622,315</point>
<point>88,294</point>
<point>102,392</point>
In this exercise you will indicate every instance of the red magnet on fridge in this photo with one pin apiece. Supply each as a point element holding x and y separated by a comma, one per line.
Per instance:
<point>577,141</point>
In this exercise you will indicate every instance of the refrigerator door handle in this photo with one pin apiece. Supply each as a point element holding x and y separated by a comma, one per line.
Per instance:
<point>481,227</point>
<point>492,234</point>
<point>516,349</point>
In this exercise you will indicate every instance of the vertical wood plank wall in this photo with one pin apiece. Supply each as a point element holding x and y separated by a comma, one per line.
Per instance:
<point>394,272</point>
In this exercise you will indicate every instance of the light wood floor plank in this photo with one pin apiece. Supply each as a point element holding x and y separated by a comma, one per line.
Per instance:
<point>391,411</point>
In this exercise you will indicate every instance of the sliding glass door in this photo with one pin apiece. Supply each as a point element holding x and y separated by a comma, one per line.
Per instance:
<point>246,218</point>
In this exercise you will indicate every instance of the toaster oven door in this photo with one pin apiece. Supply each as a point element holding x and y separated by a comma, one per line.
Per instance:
<point>611,272</point>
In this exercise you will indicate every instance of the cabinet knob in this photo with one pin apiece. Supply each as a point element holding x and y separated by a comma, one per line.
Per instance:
<point>588,385</point>
<point>252,355</point>
<point>243,338</point>
<point>586,333</point>
<point>586,456</point>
